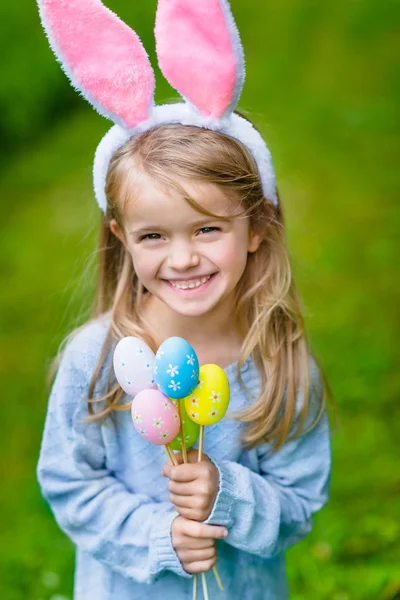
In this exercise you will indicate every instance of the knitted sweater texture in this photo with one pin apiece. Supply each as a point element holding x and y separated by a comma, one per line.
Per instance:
<point>103,484</point>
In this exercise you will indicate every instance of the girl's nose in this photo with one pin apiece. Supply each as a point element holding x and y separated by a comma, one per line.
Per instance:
<point>182,256</point>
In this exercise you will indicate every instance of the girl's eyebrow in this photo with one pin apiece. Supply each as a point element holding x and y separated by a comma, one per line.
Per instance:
<point>195,224</point>
<point>145,229</point>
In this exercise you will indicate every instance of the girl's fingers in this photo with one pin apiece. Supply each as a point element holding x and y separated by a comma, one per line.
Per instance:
<point>201,530</point>
<point>184,473</point>
<point>200,566</point>
<point>192,556</point>
<point>198,543</point>
<point>181,489</point>
<point>182,501</point>
<point>192,514</point>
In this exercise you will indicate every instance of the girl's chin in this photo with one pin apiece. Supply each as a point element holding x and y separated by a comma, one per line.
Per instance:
<point>191,309</point>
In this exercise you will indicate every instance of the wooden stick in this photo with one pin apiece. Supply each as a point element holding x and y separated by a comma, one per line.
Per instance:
<point>168,453</point>
<point>184,449</point>
<point>205,588</point>
<point>171,455</point>
<point>201,442</point>
<point>195,587</point>
<point>215,571</point>
<point>218,578</point>
<point>183,441</point>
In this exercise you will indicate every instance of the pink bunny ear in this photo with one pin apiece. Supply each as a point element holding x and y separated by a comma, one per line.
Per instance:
<point>103,58</point>
<point>200,53</point>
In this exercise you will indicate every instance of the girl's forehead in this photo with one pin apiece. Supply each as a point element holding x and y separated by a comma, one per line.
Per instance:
<point>150,202</point>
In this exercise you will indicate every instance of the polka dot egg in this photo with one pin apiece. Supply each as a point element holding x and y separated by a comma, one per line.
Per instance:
<point>133,365</point>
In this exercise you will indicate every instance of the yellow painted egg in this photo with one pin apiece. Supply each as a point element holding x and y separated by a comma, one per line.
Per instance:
<point>209,401</point>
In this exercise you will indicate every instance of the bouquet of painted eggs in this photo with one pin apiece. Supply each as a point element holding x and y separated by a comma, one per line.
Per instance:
<point>173,399</point>
<point>172,396</point>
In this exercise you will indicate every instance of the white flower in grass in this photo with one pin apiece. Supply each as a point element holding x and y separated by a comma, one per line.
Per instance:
<point>213,413</point>
<point>157,422</point>
<point>143,432</point>
<point>173,370</point>
<point>137,418</point>
<point>159,354</point>
<point>164,435</point>
<point>175,385</point>
<point>215,397</point>
<point>190,358</point>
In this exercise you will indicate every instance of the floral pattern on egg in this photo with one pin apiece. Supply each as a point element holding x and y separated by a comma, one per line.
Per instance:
<point>209,401</point>
<point>159,418</point>
<point>190,428</point>
<point>176,367</point>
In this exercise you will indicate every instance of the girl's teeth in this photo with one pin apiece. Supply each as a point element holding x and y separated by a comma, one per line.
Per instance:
<point>192,284</point>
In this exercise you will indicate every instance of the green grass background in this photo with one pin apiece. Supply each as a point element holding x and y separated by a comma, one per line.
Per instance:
<point>323,86</point>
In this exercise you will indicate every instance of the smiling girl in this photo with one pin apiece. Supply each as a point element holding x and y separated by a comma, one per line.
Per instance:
<point>187,236</point>
<point>192,244</point>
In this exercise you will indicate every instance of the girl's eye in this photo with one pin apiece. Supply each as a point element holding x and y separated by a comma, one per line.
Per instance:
<point>157,236</point>
<point>150,236</point>
<point>209,229</point>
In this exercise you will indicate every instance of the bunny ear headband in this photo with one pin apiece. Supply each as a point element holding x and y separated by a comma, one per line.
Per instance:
<point>199,52</point>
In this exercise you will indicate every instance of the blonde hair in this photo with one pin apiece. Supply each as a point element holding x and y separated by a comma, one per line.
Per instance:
<point>267,306</point>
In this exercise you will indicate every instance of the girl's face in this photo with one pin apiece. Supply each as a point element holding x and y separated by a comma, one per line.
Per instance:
<point>189,261</point>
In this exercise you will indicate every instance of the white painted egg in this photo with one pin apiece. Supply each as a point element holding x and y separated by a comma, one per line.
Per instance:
<point>133,365</point>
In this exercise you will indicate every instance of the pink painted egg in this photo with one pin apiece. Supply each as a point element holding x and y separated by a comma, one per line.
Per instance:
<point>155,417</point>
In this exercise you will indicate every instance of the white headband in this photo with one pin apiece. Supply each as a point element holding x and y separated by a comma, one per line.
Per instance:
<point>199,52</point>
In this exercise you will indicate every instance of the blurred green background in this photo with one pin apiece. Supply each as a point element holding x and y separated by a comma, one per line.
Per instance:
<point>323,86</point>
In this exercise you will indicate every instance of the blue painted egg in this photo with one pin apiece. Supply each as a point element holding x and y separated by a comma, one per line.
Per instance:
<point>176,368</point>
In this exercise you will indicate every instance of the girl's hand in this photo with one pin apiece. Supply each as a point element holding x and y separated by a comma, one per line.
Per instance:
<point>193,486</point>
<point>194,543</point>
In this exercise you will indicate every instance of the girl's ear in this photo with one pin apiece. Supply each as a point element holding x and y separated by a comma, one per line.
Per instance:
<point>117,231</point>
<point>255,240</point>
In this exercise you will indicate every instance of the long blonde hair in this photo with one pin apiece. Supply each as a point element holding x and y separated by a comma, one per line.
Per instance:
<point>267,306</point>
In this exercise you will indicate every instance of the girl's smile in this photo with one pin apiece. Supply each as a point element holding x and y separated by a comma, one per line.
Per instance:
<point>188,260</point>
<point>191,286</point>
